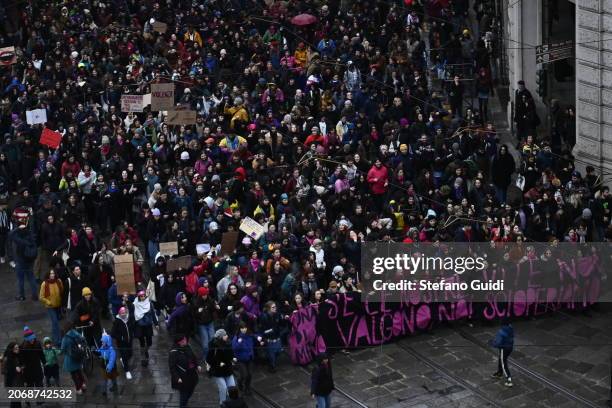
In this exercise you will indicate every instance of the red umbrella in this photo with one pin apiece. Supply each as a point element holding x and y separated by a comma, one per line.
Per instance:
<point>303,19</point>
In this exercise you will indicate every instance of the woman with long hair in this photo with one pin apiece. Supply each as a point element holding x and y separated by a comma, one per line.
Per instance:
<point>51,293</point>
<point>12,362</point>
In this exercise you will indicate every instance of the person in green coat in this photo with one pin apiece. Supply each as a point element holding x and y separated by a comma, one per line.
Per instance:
<point>72,364</point>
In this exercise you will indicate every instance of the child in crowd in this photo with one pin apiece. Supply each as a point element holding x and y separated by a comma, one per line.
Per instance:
<point>51,363</point>
<point>109,364</point>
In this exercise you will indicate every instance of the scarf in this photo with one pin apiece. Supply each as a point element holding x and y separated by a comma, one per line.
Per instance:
<point>141,308</point>
<point>49,282</point>
<point>74,239</point>
<point>90,236</point>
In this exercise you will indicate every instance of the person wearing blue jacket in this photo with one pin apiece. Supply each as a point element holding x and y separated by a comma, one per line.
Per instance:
<point>109,359</point>
<point>243,345</point>
<point>504,342</point>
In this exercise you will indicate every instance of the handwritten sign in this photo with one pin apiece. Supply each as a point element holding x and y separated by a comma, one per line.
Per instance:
<point>183,262</point>
<point>162,97</point>
<point>50,138</point>
<point>202,249</point>
<point>181,117</point>
<point>124,273</point>
<point>168,248</point>
<point>132,103</point>
<point>228,242</point>
<point>252,228</point>
<point>160,27</point>
<point>36,116</point>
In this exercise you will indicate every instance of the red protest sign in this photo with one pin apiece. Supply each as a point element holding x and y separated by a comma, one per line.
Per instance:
<point>50,138</point>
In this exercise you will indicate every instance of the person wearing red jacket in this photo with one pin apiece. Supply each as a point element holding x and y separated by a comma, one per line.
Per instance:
<point>378,179</point>
<point>70,165</point>
<point>314,137</point>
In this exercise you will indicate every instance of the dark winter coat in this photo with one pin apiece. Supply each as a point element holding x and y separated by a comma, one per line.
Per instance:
<point>11,377</point>
<point>203,310</point>
<point>123,332</point>
<point>183,364</point>
<point>33,359</point>
<point>322,381</point>
<point>503,166</point>
<point>219,358</point>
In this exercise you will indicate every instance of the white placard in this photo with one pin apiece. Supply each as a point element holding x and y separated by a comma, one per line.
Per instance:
<point>36,116</point>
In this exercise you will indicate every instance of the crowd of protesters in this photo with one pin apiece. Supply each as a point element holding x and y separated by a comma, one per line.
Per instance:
<point>360,126</point>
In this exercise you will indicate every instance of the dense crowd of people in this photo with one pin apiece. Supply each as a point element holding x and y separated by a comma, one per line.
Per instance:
<point>358,126</point>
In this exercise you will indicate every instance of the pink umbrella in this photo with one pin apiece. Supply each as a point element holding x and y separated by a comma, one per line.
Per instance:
<point>303,19</point>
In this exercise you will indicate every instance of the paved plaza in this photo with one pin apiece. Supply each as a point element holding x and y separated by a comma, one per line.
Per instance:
<point>449,367</point>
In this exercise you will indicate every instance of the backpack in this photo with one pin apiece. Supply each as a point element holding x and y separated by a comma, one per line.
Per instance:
<point>78,348</point>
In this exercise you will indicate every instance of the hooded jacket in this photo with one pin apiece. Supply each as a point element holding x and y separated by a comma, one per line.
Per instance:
<point>183,365</point>
<point>504,339</point>
<point>180,320</point>
<point>50,353</point>
<point>70,364</point>
<point>107,352</point>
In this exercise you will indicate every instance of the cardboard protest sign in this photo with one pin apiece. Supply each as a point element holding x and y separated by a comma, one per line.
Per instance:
<point>181,117</point>
<point>124,273</point>
<point>36,116</point>
<point>132,103</point>
<point>202,249</point>
<point>50,138</point>
<point>146,100</point>
<point>228,242</point>
<point>8,56</point>
<point>160,27</point>
<point>183,262</point>
<point>252,228</point>
<point>162,97</point>
<point>168,248</point>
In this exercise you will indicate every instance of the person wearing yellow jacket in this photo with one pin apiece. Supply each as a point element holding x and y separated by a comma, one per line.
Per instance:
<point>232,142</point>
<point>266,209</point>
<point>50,295</point>
<point>237,112</point>
<point>301,55</point>
<point>193,36</point>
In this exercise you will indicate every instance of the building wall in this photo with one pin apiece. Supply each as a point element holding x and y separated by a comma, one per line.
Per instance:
<point>594,83</point>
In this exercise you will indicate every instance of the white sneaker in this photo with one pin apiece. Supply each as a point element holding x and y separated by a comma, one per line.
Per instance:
<point>13,264</point>
<point>2,260</point>
<point>128,375</point>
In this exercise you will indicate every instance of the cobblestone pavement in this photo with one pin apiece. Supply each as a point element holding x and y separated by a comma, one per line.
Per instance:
<point>448,367</point>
